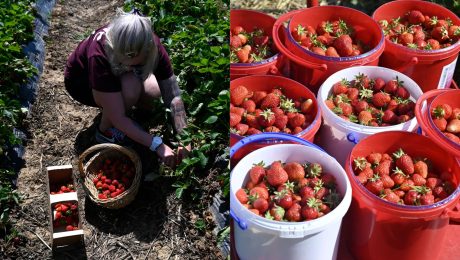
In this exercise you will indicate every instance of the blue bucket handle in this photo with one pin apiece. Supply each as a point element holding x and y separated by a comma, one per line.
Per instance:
<point>263,137</point>
<point>352,138</point>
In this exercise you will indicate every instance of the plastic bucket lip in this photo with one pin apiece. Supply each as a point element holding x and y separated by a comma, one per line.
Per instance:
<point>327,113</point>
<point>420,53</point>
<point>339,59</point>
<point>312,226</point>
<point>396,206</point>
<point>254,64</point>
<point>304,131</point>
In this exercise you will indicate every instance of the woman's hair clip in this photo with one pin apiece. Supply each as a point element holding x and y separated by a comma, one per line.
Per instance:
<point>136,12</point>
<point>130,54</point>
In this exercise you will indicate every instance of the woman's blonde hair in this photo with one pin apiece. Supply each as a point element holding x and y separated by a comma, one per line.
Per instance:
<point>130,35</point>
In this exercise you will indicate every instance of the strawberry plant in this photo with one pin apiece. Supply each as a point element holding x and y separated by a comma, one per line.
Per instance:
<point>195,33</point>
<point>16,24</point>
<point>289,191</point>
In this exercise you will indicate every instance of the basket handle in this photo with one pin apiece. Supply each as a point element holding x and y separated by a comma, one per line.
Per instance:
<point>277,136</point>
<point>98,147</point>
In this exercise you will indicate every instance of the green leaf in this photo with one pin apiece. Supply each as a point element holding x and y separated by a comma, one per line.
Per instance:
<point>211,120</point>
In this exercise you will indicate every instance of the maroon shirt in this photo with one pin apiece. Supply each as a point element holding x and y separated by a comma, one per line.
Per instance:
<point>89,63</point>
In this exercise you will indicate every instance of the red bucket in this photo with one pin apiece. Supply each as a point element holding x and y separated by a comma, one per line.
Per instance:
<point>377,229</point>
<point>434,98</point>
<point>292,89</point>
<point>430,69</point>
<point>249,20</point>
<point>312,69</point>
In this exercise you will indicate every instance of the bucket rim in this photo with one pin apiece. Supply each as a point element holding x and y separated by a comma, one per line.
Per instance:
<point>393,206</point>
<point>296,229</point>
<point>255,64</point>
<point>378,48</point>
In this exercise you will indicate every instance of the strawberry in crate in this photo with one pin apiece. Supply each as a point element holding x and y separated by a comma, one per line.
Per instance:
<point>65,215</point>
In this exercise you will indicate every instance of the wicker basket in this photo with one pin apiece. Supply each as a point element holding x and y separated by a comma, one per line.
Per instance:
<point>89,167</point>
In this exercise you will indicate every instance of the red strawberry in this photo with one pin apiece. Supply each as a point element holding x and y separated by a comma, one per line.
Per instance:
<point>237,30</point>
<point>318,50</point>
<point>234,119</point>
<point>454,32</point>
<point>432,44</point>
<point>296,120</point>
<point>455,113</point>
<point>283,199</point>
<point>257,173</point>
<point>404,162</point>
<point>343,45</point>
<point>295,171</point>
<point>453,126</point>
<point>243,55</point>
<point>380,99</point>
<point>276,175</point>
<point>280,121</point>
<point>272,128</point>
<point>374,158</point>
<point>411,197</point>
<point>443,110</point>
<point>277,213</point>
<point>331,52</point>
<point>259,192</point>
<point>390,196</point>
<point>307,106</point>
<point>235,42</point>
<point>433,182</point>
<point>340,87</point>
<point>406,38</point>
<point>238,94</point>
<point>258,96</point>
<point>389,117</point>
<point>375,185</point>
<point>69,228</point>
<point>310,211</point>
<point>306,192</point>
<point>421,168</point>
<point>379,84</point>
<point>241,129</point>
<point>346,109</point>
<point>418,179</point>
<point>440,34</point>
<point>353,93</point>
<point>391,86</point>
<point>298,33</point>
<point>266,118</point>
<point>440,123</point>
<point>365,117</point>
<point>324,27</point>
<point>293,213</point>
<point>329,103</point>
<point>249,105</point>
<point>242,196</point>
<point>383,168</point>
<point>270,101</point>
<point>402,92</point>
<point>426,199</point>
<point>253,131</point>
<point>415,17</point>
<point>260,204</point>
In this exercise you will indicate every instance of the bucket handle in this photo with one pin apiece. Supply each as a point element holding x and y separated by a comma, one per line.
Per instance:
<point>352,138</point>
<point>285,51</point>
<point>263,137</point>
<point>413,61</point>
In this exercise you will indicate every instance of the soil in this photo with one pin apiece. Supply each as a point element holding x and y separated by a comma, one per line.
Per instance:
<point>156,225</point>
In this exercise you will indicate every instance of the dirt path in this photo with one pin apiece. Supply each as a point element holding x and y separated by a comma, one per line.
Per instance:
<point>154,226</point>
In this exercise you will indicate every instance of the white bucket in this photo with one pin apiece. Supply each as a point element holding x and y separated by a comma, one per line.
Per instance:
<point>260,238</point>
<point>338,136</point>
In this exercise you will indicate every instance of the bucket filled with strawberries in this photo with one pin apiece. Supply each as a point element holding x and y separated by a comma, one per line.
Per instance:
<point>438,112</point>
<point>111,174</point>
<point>421,41</point>
<point>268,103</point>
<point>400,187</point>
<point>251,47</point>
<point>287,200</point>
<point>364,100</point>
<point>331,38</point>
